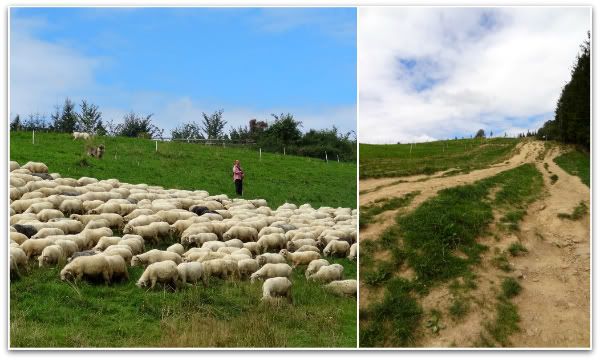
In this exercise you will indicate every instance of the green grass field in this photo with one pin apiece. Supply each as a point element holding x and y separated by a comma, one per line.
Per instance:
<point>575,163</point>
<point>45,312</point>
<point>276,178</point>
<point>427,158</point>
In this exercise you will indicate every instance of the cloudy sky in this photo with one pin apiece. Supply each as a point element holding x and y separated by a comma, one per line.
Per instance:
<point>178,63</point>
<point>437,73</point>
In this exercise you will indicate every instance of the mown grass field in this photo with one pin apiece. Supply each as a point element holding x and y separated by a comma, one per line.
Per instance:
<point>575,163</point>
<point>45,312</point>
<point>438,243</point>
<point>427,158</point>
<point>276,178</point>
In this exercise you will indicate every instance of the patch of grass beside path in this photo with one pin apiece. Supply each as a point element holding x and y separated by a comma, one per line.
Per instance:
<point>575,163</point>
<point>368,212</point>
<point>427,158</point>
<point>178,165</point>
<point>438,241</point>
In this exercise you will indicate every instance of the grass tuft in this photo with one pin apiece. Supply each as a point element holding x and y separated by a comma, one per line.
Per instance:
<point>578,212</point>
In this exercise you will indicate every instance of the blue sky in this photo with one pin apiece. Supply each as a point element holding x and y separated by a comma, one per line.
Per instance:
<point>179,62</point>
<point>439,73</point>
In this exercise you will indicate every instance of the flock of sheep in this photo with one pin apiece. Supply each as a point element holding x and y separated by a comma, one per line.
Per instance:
<point>71,222</point>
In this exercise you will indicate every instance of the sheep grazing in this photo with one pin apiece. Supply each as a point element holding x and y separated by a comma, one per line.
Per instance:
<point>35,167</point>
<point>69,247</point>
<point>123,251</point>
<point>198,239</point>
<point>271,270</point>
<point>342,287</point>
<point>352,252</point>
<point>80,135</point>
<point>244,233</point>
<point>118,267</point>
<point>191,273</point>
<point>33,247</point>
<point>176,248</point>
<point>337,248</point>
<point>277,287</point>
<point>14,166</point>
<point>247,267</point>
<point>18,237</point>
<point>153,232</point>
<point>51,255</point>
<point>218,268</point>
<point>92,267</point>
<point>300,258</point>
<point>164,272</point>
<point>314,266</point>
<point>153,256</point>
<point>45,232</point>
<point>270,258</point>
<point>271,242</point>
<point>328,273</point>
<point>18,260</point>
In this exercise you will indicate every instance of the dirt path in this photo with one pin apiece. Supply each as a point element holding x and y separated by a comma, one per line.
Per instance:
<point>430,187</point>
<point>555,302</point>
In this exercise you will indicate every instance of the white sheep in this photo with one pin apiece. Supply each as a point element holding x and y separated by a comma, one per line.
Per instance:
<point>123,251</point>
<point>314,266</point>
<point>89,266</point>
<point>213,245</point>
<point>154,231</point>
<point>136,245</point>
<point>191,272</point>
<point>271,242</point>
<point>69,247</point>
<point>300,258</point>
<point>277,287</point>
<point>33,247</point>
<point>244,233</point>
<point>118,267</point>
<point>153,256</point>
<point>36,167</point>
<point>270,258</point>
<point>235,243</point>
<point>164,272</point>
<point>342,287</point>
<point>48,214</point>
<point>216,267</point>
<point>352,252</point>
<point>71,206</point>
<point>328,273</point>
<point>176,248</point>
<point>337,248</point>
<point>270,230</point>
<point>45,232</point>
<point>246,267</point>
<point>270,271</point>
<point>106,241</point>
<point>308,248</point>
<point>198,239</point>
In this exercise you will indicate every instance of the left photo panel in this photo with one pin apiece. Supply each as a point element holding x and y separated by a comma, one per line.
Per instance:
<point>182,177</point>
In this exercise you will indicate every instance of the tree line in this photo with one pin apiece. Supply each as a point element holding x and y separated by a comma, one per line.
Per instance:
<point>571,123</point>
<point>282,134</point>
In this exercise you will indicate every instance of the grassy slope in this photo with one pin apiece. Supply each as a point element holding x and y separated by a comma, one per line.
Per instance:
<point>46,312</point>
<point>429,241</point>
<point>575,163</point>
<point>427,158</point>
<point>276,178</point>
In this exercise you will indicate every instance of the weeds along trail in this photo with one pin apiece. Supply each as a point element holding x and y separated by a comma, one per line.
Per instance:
<point>429,186</point>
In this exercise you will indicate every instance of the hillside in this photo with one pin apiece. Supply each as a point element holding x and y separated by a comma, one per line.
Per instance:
<point>378,161</point>
<point>276,178</point>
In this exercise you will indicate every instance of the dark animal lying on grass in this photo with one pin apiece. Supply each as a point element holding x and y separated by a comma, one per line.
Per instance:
<point>27,230</point>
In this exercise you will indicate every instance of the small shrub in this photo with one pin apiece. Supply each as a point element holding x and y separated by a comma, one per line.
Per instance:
<point>510,288</point>
<point>516,249</point>
<point>553,179</point>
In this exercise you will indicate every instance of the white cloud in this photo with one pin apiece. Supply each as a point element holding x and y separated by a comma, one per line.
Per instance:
<point>42,74</point>
<point>428,73</point>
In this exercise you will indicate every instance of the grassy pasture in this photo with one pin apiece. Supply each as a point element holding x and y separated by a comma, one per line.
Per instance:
<point>276,178</point>
<point>427,158</point>
<point>45,312</point>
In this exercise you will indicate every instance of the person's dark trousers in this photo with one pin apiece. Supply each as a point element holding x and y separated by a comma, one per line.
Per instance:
<point>238,187</point>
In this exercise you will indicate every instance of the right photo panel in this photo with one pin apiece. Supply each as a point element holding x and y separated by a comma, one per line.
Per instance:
<point>474,166</point>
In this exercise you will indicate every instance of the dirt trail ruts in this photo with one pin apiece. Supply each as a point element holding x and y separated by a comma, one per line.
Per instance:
<point>554,305</point>
<point>555,302</point>
<point>528,152</point>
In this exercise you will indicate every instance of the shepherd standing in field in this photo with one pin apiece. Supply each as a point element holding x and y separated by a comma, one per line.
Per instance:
<point>238,177</point>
